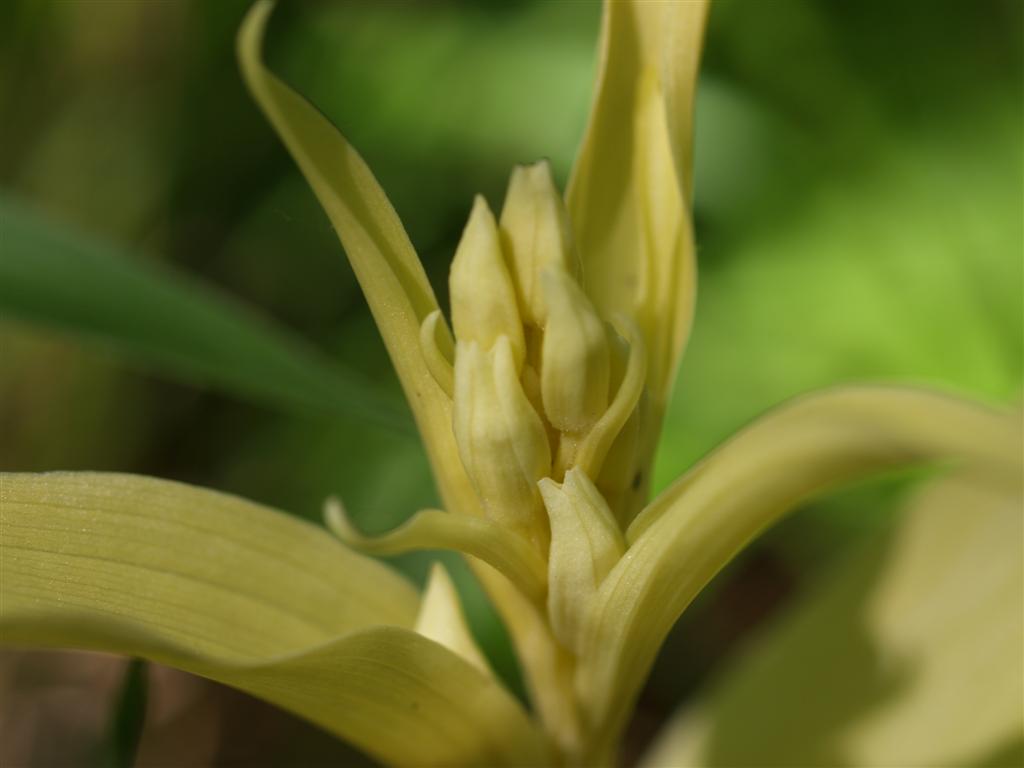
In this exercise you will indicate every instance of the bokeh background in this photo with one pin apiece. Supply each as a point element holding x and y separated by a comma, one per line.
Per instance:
<point>859,215</point>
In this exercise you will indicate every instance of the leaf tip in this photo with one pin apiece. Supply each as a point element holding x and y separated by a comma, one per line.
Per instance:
<point>337,521</point>
<point>249,44</point>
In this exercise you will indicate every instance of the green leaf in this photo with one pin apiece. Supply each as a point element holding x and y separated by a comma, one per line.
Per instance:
<point>255,599</point>
<point>129,718</point>
<point>58,279</point>
<point>909,654</point>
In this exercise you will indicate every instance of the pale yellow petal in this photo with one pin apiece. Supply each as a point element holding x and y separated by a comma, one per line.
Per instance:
<point>810,445</point>
<point>536,236</point>
<point>501,439</point>
<point>483,297</point>
<point>586,543</point>
<point>574,357</point>
<point>611,430</point>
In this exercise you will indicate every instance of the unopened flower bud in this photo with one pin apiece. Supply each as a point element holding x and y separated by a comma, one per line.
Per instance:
<point>501,438</point>
<point>482,295</point>
<point>613,455</point>
<point>536,235</point>
<point>574,357</point>
<point>586,543</point>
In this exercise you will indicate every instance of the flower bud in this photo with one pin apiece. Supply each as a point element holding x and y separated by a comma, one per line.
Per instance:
<point>610,452</point>
<point>574,356</point>
<point>535,234</point>
<point>482,295</point>
<point>586,543</point>
<point>621,480</point>
<point>501,438</point>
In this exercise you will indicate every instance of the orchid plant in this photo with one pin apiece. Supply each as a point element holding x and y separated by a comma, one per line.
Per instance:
<point>539,405</point>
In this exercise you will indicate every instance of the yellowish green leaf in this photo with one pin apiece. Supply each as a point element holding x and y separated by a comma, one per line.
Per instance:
<point>609,430</point>
<point>383,258</point>
<point>805,447</point>
<point>219,573</point>
<point>909,655</point>
<point>509,554</point>
<point>629,197</point>
<point>436,345</point>
<point>238,593</point>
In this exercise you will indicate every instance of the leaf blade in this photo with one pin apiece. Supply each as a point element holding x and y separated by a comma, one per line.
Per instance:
<point>53,278</point>
<point>376,244</point>
<point>100,537</point>
<point>630,193</point>
<point>128,718</point>
<point>364,687</point>
<point>255,599</point>
<point>908,654</point>
<point>802,448</point>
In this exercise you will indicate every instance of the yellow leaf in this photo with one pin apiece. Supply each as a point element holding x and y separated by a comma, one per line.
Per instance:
<point>235,592</point>
<point>810,445</point>
<point>629,196</point>
<point>480,537</point>
<point>383,258</point>
<point>910,654</point>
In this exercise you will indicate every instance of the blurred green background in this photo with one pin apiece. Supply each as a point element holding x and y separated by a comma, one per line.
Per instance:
<point>174,303</point>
